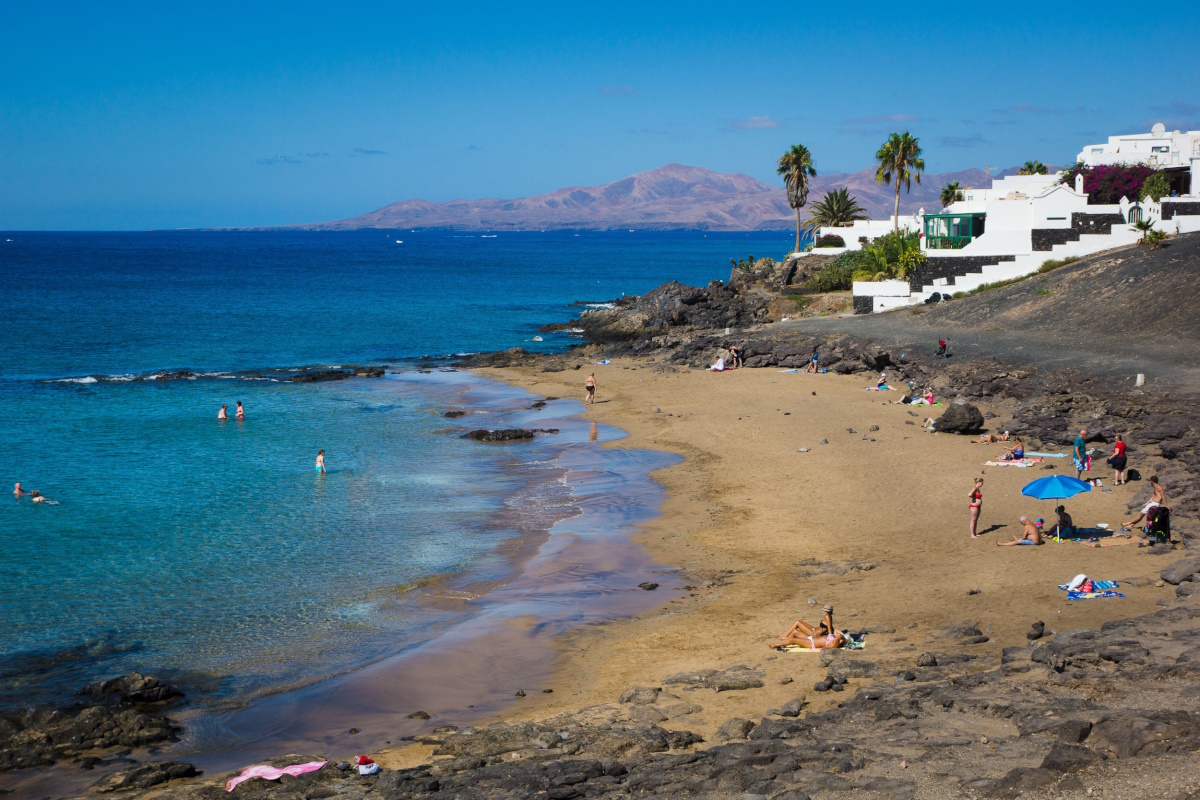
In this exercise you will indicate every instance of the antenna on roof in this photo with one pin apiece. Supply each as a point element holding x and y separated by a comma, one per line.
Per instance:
<point>987,172</point>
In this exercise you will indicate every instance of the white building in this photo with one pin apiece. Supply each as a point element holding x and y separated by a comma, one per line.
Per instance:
<point>1012,228</point>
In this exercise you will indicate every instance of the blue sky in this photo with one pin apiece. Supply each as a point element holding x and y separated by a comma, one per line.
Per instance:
<point>167,115</point>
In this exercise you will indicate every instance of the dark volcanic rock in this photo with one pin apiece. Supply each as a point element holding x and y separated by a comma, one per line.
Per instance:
<point>1181,570</point>
<point>1069,758</point>
<point>506,434</point>
<point>134,688</point>
<point>38,738</point>
<point>960,418</point>
<point>143,776</point>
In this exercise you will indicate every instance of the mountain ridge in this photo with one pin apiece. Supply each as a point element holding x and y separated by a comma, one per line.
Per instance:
<point>671,197</point>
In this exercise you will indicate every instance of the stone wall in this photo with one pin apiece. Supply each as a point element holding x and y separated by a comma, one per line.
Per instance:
<point>1171,208</point>
<point>1046,238</point>
<point>949,266</point>
<point>1094,223</point>
<point>864,304</point>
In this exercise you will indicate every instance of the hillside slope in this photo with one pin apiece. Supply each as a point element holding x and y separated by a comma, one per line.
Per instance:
<point>1120,312</point>
<point>670,197</point>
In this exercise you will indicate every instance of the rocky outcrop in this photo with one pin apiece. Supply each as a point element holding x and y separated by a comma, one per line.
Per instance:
<point>143,776</point>
<point>960,418</point>
<point>674,305</point>
<point>506,434</point>
<point>134,688</point>
<point>39,738</point>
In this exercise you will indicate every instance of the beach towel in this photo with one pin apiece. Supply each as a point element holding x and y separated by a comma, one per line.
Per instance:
<point>272,773</point>
<point>602,363</point>
<point>1090,590</point>
<point>1024,462</point>
<point>1048,455</point>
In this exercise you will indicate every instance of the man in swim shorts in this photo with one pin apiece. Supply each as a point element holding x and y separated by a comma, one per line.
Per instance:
<point>589,386</point>
<point>1157,498</point>
<point>1080,454</point>
<point>18,492</point>
<point>1029,534</point>
<point>221,417</point>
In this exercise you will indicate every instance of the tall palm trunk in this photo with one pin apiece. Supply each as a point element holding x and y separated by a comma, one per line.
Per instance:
<point>896,212</point>
<point>797,250</point>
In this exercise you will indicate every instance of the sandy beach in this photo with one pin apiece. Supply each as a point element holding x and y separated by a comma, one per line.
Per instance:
<point>874,522</point>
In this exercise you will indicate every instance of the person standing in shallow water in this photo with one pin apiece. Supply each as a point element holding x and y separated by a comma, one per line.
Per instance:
<point>321,462</point>
<point>221,416</point>
<point>976,498</point>
<point>241,412</point>
<point>589,386</point>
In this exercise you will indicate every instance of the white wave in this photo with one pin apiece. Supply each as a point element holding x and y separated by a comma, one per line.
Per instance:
<point>601,305</point>
<point>575,330</point>
<point>86,379</point>
<point>121,378</point>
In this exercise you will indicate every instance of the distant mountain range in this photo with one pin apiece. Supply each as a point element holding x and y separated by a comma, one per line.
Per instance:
<point>674,197</point>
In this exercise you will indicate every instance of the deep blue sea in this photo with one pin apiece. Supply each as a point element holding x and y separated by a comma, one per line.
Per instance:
<point>212,552</point>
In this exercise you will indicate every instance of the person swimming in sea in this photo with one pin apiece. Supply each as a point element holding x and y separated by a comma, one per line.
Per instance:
<point>38,498</point>
<point>241,412</point>
<point>18,492</point>
<point>321,462</point>
<point>221,416</point>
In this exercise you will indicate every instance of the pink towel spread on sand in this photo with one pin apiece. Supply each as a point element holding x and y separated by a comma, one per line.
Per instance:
<point>272,773</point>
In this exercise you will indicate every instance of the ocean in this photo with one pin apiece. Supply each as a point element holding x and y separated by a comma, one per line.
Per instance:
<point>212,553</point>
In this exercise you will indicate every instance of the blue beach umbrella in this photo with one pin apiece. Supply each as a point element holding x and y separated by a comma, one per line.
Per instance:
<point>1056,487</point>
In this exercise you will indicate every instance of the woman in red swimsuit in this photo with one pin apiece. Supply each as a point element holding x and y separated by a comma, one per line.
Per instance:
<point>1118,461</point>
<point>976,498</point>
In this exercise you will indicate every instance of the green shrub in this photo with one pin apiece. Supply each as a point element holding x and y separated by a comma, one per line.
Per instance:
<point>830,240</point>
<point>1156,187</point>
<point>800,300</point>
<point>1051,264</point>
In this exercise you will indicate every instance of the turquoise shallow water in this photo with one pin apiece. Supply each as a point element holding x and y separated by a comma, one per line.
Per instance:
<point>212,552</point>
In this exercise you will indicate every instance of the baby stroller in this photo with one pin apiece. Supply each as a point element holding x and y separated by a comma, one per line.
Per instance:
<point>1158,525</point>
<point>941,351</point>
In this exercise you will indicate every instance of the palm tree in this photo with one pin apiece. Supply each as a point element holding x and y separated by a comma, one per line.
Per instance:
<point>836,208</point>
<point>899,163</point>
<point>1033,168</point>
<point>796,167</point>
<point>951,193</point>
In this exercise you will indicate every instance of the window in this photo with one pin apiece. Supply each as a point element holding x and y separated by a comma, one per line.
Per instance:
<point>1160,148</point>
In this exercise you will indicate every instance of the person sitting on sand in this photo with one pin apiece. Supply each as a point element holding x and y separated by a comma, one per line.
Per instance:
<point>928,424</point>
<point>1157,498</point>
<point>1014,453</point>
<point>1065,525</point>
<point>1029,534</point>
<point>719,366</point>
<point>812,364</point>
<point>814,638</point>
<point>882,383</point>
<point>18,492</point>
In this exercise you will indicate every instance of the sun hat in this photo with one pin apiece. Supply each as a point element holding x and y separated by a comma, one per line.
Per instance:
<point>828,609</point>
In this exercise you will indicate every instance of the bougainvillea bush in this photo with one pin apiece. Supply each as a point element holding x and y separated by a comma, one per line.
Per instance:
<point>1109,183</point>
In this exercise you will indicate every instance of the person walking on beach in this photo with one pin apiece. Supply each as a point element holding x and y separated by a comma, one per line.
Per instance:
<point>221,416</point>
<point>321,462</point>
<point>976,498</point>
<point>1157,498</point>
<point>1080,454</point>
<point>1118,461</point>
<point>241,412</point>
<point>589,386</point>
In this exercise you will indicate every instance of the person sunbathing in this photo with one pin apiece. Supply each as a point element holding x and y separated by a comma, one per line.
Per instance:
<point>1029,535</point>
<point>1014,453</point>
<point>992,438</point>
<point>822,636</point>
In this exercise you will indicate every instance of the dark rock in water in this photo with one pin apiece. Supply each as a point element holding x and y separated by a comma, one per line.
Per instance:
<point>143,776</point>
<point>134,688</point>
<point>506,434</point>
<point>963,419</point>
<point>1181,570</point>
<point>454,413</point>
<point>649,587</point>
<point>419,715</point>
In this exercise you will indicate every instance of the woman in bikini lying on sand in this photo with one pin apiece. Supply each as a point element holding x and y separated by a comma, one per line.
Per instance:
<point>991,438</point>
<point>805,635</point>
